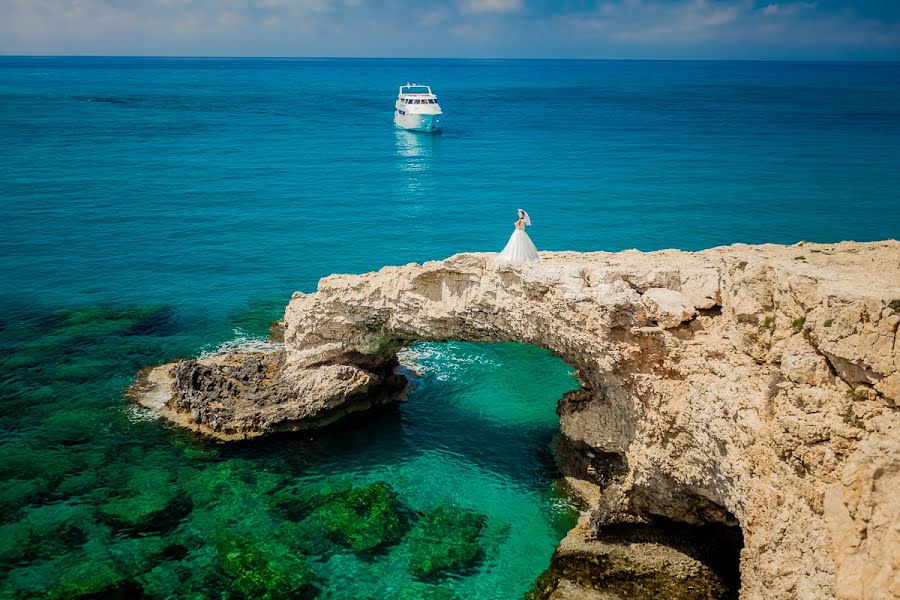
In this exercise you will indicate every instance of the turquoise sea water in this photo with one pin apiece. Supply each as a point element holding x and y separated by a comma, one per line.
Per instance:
<point>156,208</point>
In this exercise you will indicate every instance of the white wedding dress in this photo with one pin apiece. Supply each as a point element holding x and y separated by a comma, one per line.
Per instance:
<point>520,248</point>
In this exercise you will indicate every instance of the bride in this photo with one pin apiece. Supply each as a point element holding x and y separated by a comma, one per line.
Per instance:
<point>520,248</point>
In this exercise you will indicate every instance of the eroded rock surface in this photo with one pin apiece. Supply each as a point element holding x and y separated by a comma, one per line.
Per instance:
<point>631,564</point>
<point>241,395</point>
<point>750,385</point>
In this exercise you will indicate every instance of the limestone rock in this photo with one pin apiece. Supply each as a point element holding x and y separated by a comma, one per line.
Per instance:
<point>668,307</point>
<point>863,517</point>
<point>240,395</point>
<point>638,566</point>
<point>774,408</point>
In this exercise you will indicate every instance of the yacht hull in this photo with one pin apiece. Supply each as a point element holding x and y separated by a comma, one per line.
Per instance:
<point>414,122</point>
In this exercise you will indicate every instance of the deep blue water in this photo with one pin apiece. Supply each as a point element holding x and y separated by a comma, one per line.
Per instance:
<point>156,208</point>
<point>198,181</point>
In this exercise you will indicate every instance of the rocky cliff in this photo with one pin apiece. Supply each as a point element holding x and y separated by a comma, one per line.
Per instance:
<point>750,386</point>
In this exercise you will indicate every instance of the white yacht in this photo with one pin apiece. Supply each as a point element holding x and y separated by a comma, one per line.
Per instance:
<point>417,109</point>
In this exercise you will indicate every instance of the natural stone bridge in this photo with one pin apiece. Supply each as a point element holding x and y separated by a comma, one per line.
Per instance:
<point>750,385</point>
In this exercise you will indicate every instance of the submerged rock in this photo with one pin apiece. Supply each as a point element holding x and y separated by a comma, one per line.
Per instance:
<point>276,331</point>
<point>363,518</point>
<point>84,482</point>
<point>18,492</point>
<point>446,539</point>
<point>298,501</point>
<point>47,531</point>
<point>189,578</point>
<point>91,578</point>
<point>151,501</point>
<point>96,321</point>
<point>263,569</point>
<point>634,562</point>
<point>136,555</point>
<point>45,465</point>
<point>227,481</point>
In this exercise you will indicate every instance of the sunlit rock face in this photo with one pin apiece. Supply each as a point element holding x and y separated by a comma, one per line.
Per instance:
<point>747,385</point>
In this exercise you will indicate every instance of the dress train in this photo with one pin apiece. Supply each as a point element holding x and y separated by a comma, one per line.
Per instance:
<point>520,248</point>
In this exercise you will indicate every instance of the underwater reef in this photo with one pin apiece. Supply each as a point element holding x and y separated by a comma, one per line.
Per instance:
<point>97,505</point>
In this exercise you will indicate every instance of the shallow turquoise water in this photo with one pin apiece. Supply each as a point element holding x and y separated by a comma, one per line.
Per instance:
<point>157,208</point>
<point>101,497</point>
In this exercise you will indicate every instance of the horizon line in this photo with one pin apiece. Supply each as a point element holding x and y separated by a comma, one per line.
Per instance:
<point>461,58</point>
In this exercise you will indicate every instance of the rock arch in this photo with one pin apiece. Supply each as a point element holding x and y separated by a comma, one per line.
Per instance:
<point>750,384</point>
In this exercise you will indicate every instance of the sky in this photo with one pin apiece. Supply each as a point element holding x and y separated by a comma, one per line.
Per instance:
<point>614,29</point>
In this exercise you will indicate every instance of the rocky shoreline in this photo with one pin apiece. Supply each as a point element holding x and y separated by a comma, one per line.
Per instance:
<point>240,395</point>
<point>746,389</point>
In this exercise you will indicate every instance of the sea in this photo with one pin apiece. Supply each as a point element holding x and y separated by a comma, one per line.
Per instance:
<point>158,208</point>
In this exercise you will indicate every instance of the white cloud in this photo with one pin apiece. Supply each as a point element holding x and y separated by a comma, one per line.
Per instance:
<point>294,8</point>
<point>432,17</point>
<point>731,28</point>
<point>720,16</point>
<point>613,28</point>
<point>638,21</point>
<point>788,9</point>
<point>484,6</point>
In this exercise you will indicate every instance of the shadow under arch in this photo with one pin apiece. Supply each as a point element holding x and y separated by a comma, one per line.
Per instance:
<point>597,327</point>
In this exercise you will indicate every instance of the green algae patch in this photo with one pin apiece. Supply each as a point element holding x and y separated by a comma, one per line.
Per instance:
<point>263,569</point>
<point>89,579</point>
<point>142,511</point>
<point>152,501</point>
<point>96,320</point>
<point>298,501</point>
<point>192,577</point>
<point>362,518</point>
<point>78,484</point>
<point>18,492</point>
<point>226,481</point>
<point>75,425</point>
<point>47,464</point>
<point>446,539</point>
<point>133,555</point>
<point>47,531</point>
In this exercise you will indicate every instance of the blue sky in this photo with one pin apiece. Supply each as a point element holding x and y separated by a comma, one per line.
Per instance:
<point>714,29</point>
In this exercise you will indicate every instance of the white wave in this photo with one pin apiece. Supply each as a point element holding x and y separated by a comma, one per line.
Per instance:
<point>444,361</point>
<point>241,343</point>
<point>139,414</point>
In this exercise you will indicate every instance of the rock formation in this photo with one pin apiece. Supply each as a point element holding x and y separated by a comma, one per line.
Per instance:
<point>243,394</point>
<point>746,385</point>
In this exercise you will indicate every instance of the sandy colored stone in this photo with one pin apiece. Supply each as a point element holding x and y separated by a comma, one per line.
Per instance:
<point>738,415</point>
<point>863,517</point>
<point>668,307</point>
<point>750,412</point>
